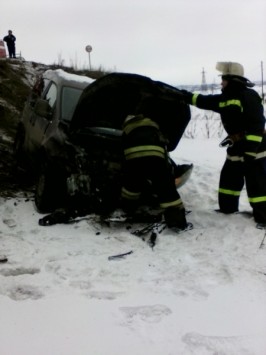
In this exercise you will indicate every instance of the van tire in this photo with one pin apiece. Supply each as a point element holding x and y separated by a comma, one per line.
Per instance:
<point>50,190</point>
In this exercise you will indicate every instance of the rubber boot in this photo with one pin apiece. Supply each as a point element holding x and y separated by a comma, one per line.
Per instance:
<point>175,218</point>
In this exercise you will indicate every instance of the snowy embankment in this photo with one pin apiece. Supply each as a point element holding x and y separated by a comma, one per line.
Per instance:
<point>202,292</point>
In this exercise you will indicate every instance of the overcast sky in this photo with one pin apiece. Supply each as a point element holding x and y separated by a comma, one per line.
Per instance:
<point>167,40</point>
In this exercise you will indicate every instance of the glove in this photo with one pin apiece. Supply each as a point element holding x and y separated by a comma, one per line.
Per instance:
<point>58,216</point>
<point>227,142</point>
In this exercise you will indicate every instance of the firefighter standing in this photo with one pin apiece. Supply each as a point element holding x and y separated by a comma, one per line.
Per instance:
<point>146,159</point>
<point>242,116</point>
<point>10,40</point>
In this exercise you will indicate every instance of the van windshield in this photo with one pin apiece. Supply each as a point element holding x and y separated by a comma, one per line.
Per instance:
<point>70,97</point>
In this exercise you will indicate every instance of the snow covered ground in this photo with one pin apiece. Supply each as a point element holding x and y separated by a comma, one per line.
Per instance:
<point>202,292</point>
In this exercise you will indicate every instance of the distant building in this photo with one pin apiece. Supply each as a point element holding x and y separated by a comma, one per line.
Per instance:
<point>2,49</point>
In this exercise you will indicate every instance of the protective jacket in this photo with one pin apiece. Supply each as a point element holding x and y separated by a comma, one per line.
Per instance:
<point>241,113</point>
<point>242,116</point>
<point>146,160</point>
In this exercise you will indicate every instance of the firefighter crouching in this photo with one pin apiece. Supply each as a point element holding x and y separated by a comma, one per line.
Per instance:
<point>243,119</point>
<point>146,159</point>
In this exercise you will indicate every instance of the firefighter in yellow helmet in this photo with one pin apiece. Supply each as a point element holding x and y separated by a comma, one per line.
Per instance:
<point>243,119</point>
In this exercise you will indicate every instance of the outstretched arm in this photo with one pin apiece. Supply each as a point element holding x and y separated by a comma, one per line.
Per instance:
<point>207,102</point>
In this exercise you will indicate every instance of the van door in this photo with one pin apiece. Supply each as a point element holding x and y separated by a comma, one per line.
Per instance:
<point>39,124</point>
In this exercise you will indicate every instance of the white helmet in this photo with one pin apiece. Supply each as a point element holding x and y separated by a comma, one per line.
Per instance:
<point>230,68</point>
<point>234,70</point>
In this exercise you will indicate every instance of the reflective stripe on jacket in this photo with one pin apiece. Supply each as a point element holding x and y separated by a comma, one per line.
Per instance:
<point>142,138</point>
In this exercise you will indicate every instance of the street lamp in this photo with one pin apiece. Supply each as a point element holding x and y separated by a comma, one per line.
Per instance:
<point>89,49</point>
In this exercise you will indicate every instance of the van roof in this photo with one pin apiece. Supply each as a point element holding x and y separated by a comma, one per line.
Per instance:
<point>61,77</point>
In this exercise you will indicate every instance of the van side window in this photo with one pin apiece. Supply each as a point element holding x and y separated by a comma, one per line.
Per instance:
<point>51,95</point>
<point>70,97</point>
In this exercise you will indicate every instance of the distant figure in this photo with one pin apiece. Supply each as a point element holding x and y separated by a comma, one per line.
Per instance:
<point>10,40</point>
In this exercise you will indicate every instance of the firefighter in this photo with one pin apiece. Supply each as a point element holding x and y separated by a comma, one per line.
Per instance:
<point>146,159</point>
<point>241,111</point>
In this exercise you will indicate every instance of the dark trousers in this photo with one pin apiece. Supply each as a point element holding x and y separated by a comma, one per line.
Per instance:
<point>138,172</point>
<point>234,175</point>
<point>11,51</point>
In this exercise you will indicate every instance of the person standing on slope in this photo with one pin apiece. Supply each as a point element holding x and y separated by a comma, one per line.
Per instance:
<point>243,119</point>
<point>10,40</point>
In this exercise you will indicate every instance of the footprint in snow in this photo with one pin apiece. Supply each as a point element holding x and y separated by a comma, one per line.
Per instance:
<point>216,344</point>
<point>24,292</point>
<point>104,295</point>
<point>11,223</point>
<point>19,271</point>
<point>149,314</point>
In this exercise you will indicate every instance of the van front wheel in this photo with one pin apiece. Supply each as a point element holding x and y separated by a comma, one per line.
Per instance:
<point>50,191</point>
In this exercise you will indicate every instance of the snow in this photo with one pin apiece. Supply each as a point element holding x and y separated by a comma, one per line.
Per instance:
<point>202,292</point>
<point>68,76</point>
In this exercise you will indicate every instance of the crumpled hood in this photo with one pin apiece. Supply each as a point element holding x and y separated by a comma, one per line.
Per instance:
<point>110,99</point>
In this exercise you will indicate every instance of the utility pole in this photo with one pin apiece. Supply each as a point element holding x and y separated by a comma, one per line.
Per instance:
<point>262,91</point>
<point>203,81</point>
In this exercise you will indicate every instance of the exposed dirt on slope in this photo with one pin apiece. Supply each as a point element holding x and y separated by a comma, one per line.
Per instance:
<point>13,181</point>
<point>16,80</point>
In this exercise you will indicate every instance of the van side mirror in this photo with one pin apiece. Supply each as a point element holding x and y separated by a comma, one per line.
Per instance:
<point>42,108</point>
